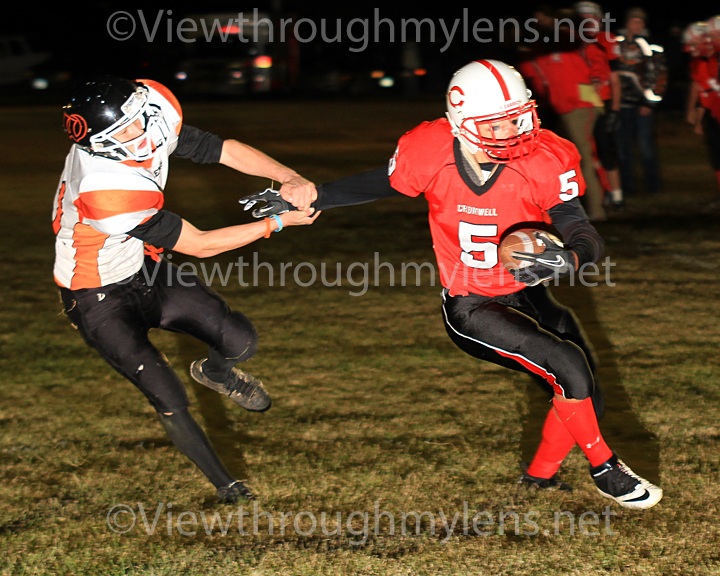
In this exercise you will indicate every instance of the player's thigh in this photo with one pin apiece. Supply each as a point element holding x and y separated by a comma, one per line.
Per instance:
<point>557,319</point>
<point>195,309</point>
<point>500,334</point>
<point>116,330</point>
<point>495,332</point>
<point>539,303</point>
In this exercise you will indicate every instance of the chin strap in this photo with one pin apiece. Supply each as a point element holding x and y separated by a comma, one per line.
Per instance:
<point>455,130</point>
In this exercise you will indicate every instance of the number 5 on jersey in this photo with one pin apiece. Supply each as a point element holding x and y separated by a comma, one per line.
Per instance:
<point>569,189</point>
<point>488,250</point>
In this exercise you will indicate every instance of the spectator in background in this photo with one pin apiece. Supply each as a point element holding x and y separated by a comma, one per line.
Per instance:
<point>600,54</point>
<point>561,77</point>
<point>703,110</point>
<point>642,83</point>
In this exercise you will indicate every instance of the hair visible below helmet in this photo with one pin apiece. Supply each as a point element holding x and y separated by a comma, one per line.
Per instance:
<point>486,93</point>
<point>97,110</point>
<point>635,13</point>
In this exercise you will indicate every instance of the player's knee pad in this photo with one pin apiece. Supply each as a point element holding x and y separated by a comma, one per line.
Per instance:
<point>239,337</point>
<point>572,371</point>
<point>158,381</point>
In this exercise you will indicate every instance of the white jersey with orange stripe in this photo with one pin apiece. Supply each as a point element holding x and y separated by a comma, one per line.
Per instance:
<point>99,201</point>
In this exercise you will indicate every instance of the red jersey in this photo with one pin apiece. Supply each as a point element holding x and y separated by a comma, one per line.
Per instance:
<point>467,221</point>
<point>557,77</point>
<point>608,42</point>
<point>704,72</point>
<point>598,54</point>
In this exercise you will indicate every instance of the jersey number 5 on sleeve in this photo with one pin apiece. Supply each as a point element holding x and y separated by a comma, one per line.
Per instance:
<point>568,188</point>
<point>489,250</point>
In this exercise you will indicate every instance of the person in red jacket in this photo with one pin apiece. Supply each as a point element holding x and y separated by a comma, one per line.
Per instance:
<point>563,79</point>
<point>600,53</point>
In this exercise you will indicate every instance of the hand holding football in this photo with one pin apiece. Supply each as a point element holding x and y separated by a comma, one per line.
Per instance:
<point>523,240</point>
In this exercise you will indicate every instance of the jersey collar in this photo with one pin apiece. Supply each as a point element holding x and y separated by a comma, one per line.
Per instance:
<point>465,170</point>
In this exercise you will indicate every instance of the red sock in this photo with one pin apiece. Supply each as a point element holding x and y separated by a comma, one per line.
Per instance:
<point>555,444</point>
<point>580,420</point>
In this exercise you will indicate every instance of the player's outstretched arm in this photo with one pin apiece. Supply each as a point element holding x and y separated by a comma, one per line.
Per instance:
<point>194,242</point>
<point>297,190</point>
<point>349,191</point>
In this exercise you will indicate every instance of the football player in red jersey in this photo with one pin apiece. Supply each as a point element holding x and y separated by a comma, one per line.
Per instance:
<point>701,40</point>
<point>110,224</point>
<point>484,170</point>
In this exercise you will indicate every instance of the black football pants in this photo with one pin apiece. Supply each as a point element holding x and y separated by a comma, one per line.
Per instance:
<point>115,321</point>
<point>528,331</point>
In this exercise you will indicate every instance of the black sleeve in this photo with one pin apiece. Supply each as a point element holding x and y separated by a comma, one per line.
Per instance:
<point>356,189</point>
<point>161,231</point>
<point>578,234</point>
<point>198,145</point>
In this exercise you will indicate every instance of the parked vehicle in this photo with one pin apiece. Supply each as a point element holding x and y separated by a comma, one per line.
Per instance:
<point>229,57</point>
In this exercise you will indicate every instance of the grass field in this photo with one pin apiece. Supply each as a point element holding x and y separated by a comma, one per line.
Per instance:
<point>374,409</point>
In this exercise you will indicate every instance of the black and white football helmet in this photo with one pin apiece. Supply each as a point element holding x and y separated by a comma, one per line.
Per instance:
<point>99,109</point>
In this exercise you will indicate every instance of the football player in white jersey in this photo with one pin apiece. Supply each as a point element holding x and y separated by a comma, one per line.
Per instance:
<point>110,228</point>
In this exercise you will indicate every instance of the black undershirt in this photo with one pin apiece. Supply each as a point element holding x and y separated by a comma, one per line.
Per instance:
<point>163,229</point>
<point>569,218</point>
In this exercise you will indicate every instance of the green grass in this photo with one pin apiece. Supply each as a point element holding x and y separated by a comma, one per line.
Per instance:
<point>373,405</point>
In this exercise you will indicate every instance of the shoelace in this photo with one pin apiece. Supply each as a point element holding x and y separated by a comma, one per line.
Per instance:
<point>625,479</point>
<point>241,386</point>
<point>238,488</point>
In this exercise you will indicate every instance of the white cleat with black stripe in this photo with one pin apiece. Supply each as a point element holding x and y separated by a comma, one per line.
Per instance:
<point>615,480</point>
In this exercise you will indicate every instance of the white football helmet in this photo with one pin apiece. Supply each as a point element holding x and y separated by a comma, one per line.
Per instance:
<point>586,8</point>
<point>483,95</point>
<point>155,131</point>
<point>697,40</point>
<point>713,27</point>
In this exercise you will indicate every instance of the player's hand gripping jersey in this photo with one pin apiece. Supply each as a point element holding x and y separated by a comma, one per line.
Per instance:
<point>99,200</point>
<point>468,219</point>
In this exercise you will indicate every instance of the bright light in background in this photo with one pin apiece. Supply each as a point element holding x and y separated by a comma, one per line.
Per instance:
<point>40,84</point>
<point>377,74</point>
<point>181,75</point>
<point>263,62</point>
<point>386,82</point>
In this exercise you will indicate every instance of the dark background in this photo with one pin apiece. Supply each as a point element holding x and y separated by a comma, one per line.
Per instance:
<point>80,45</point>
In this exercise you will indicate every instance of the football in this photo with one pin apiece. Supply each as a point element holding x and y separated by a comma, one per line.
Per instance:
<point>522,240</point>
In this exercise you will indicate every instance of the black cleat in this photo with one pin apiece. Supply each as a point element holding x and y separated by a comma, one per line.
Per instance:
<point>233,492</point>
<point>240,387</point>
<point>616,481</point>
<point>542,483</point>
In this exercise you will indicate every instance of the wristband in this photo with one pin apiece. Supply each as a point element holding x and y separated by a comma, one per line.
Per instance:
<point>279,222</point>
<point>268,229</point>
